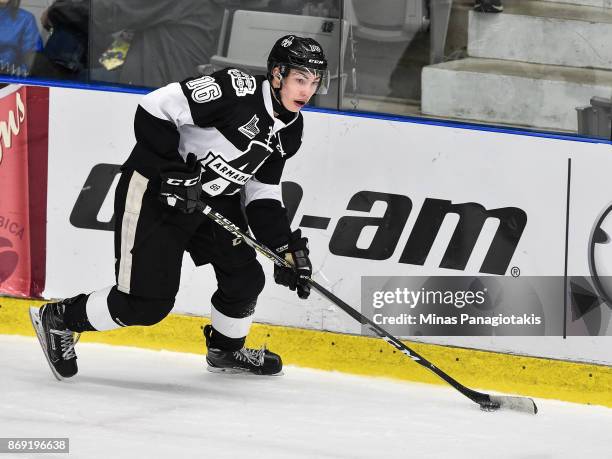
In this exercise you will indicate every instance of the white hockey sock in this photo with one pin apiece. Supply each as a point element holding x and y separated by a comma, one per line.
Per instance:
<point>97,311</point>
<point>230,326</point>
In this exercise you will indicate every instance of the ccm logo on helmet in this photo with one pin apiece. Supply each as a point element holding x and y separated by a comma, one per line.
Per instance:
<point>314,61</point>
<point>179,182</point>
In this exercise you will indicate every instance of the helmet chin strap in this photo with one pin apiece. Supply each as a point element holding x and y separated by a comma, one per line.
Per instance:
<point>284,114</point>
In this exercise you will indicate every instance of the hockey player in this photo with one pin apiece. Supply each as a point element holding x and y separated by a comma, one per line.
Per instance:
<point>216,139</point>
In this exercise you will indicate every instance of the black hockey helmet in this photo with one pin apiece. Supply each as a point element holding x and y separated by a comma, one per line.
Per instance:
<point>293,52</point>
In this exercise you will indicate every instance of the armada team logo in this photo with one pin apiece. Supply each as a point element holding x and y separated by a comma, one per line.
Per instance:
<point>242,82</point>
<point>250,129</point>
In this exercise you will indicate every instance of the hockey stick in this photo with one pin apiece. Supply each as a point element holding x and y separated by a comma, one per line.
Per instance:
<point>486,401</point>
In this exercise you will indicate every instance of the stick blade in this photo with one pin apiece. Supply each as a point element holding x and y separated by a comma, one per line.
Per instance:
<point>504,402</point>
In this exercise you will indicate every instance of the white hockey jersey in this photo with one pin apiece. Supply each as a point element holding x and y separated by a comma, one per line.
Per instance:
<point>227,120</point>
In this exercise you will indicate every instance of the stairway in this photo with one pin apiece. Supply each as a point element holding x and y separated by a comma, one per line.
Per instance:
<point>531,65</point>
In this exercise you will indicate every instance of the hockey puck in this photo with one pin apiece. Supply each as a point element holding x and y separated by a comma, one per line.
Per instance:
<point>489,406</point>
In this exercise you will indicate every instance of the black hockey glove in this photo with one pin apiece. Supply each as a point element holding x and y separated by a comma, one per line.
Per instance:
<point>295,252</point>
<point>181,185</point>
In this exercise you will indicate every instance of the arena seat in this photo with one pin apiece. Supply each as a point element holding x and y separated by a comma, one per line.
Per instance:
<point>595,120</point>
<point>247,36</point>
<point>401,20</point>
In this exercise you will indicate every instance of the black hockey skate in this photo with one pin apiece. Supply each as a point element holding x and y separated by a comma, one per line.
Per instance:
<point>253,361</point>
<point>488,6</point>
<point>56,340</point>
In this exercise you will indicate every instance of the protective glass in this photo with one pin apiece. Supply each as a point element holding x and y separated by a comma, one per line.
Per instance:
<point>324,76</point>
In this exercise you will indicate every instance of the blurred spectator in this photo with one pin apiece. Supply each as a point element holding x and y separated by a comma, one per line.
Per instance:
<point>325,8</point>
<point>488,6</point>
<point>19,38</point>
<point>65,53</point>
<point>152,42</point>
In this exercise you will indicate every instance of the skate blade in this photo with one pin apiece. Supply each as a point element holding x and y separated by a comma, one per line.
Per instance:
<point>37,324</point>
<point>238,371</point>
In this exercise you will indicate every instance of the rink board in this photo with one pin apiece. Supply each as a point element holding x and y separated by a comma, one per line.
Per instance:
<point>507,373</point>
<point>90,134</point>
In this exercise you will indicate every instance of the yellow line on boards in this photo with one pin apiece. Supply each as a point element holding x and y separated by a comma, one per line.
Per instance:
<point>530,376</point>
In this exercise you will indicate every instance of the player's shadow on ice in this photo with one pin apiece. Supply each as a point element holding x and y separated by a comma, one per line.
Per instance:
<point>198,388</point>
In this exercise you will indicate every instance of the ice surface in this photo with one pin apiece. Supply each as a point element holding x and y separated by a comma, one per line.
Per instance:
<point>133,403</point>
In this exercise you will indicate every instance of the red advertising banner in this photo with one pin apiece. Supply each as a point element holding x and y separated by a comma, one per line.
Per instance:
<point>24,128</point>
